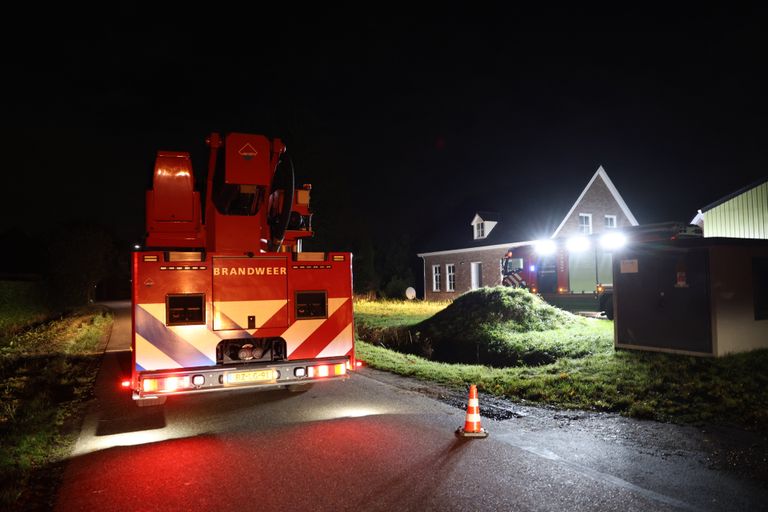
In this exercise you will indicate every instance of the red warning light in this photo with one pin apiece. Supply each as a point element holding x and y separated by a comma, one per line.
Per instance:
<point>125,384</point>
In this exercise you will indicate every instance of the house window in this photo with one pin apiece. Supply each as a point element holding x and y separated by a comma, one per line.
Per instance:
<point>610,221</point>
<point>435,278</point>
<point>450,280</point>
<point>479,230</point>
<point>585,223</point>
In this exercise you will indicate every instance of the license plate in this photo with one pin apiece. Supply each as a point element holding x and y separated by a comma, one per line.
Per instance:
<point>253,376</point>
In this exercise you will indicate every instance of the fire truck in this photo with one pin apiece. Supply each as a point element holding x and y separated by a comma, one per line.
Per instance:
<point>547,267</point>
<point>224,298</point>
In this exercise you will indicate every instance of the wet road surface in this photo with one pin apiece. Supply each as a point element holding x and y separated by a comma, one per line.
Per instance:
<point>380,442</point>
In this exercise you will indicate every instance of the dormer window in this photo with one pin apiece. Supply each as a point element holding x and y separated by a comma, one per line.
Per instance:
<point>479,230</point>
<point>483,223</point>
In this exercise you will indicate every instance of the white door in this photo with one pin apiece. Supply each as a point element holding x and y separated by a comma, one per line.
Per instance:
<point>477,275</point>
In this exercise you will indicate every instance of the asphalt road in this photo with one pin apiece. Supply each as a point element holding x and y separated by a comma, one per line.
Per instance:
<point>380,442</point>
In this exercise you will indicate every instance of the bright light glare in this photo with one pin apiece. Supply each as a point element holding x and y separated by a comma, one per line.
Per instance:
<point>171,384</point>
<point>545,247</point>
<point>577,244</point>
<point>356,412</point>
<point>613,241</point>
<point>91,444</point>
<point>136,246</point>
<point>533,268</point>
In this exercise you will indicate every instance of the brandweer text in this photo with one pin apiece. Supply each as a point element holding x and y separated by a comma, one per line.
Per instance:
<point>249,271</point>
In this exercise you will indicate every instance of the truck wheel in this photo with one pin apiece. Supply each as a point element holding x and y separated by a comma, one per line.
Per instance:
<point>609,308</point>
<point>298,388</point>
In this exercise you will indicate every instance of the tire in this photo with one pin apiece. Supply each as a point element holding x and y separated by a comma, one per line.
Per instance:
<point>606,304</point>
<point>299,388</point>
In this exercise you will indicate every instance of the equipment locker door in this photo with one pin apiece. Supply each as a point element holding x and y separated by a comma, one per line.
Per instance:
<point>249,293</point>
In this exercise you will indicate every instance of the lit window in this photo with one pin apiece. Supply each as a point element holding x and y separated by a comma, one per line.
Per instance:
<point>479,230</point>
<point>585,223</point>
<point>450,272</point>
<point>435,278</point>
<point>610,221</point>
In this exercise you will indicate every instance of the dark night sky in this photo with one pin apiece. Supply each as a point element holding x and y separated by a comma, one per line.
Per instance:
<point>396,118</point>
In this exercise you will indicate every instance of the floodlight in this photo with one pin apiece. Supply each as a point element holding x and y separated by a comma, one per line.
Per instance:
<point>545,247</point>
<point>577,244</point>
<point>613,241</point>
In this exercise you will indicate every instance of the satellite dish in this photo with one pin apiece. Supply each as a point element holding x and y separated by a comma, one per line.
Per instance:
<point>410,293</point>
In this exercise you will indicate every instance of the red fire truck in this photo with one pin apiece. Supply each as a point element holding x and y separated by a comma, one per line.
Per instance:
<point>547,266</point>
<point>223,296</point>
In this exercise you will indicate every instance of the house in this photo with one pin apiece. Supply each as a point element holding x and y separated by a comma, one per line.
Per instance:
<point>462,258</point>
<point>742,214</point>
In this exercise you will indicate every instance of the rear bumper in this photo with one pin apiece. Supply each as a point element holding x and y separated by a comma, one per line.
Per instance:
<point>240,376</point>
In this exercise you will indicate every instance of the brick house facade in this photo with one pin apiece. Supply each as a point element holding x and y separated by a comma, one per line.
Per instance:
<point>602,204</point>
<point>462,260</point>
<point>478,249</point>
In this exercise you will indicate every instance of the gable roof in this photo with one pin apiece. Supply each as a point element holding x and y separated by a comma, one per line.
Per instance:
<point>698,219</point>
<point>614,192</point>
<point>486,217</point>
<point>734,194</point>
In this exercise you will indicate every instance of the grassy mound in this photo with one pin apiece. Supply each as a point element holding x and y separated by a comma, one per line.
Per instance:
<point>493,326</point>
<point>513,309</point>
<point>497,326</point>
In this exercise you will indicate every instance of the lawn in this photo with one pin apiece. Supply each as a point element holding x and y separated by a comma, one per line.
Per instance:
<point>582,370</point>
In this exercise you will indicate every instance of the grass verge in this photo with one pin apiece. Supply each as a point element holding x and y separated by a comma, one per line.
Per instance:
<point>47,372</point>
<point>21,305</point>
<point>587,373</point>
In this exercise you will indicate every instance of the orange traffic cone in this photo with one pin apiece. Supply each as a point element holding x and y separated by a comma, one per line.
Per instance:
<point>472,426</point>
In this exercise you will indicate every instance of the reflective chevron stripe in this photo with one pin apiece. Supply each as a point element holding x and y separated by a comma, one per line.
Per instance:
<point>167,342</point>
<point>328,330</point>
<point>341,344</point>
<point>160,347</point>
<point>238,312</point>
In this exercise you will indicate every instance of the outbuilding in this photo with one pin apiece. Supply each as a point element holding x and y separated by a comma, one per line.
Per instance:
<point>697,296</point>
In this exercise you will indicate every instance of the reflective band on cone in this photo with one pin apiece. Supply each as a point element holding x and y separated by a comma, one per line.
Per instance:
<point>472,426</point>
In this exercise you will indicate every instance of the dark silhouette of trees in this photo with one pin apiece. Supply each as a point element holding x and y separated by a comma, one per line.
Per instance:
<point>80,256</point>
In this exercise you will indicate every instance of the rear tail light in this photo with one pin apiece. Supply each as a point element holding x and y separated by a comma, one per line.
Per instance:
<point>125,384</point>
<point>318,371</point>
<point>165,384</point>
<point>327,370</point>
